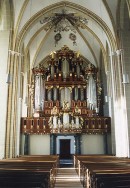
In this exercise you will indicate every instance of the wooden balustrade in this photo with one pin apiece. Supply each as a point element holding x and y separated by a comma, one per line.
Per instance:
<point>92,125</point>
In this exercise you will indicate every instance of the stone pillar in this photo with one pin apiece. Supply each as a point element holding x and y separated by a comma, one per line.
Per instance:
<point>120,124</point>
<point>9,88</point>
<point>53,144</point>
<point>77,144</point>
<point>26,145</point>
<point>105,144</point>
<point>125,44</point>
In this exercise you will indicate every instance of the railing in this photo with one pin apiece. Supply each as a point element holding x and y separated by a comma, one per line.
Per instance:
<point>92,125</point>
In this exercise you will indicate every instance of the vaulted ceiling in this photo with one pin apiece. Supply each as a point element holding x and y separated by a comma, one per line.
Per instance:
<point>92,37</point>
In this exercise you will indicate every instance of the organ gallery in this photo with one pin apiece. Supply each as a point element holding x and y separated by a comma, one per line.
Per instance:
<point>66,97</point>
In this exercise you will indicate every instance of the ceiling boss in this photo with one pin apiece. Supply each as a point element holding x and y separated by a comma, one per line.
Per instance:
<point>64,21</point>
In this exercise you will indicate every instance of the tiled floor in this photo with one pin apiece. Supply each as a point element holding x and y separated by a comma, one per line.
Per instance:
<point>67,177</point>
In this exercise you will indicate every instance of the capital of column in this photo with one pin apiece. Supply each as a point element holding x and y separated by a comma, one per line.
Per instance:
<point>117,52</point>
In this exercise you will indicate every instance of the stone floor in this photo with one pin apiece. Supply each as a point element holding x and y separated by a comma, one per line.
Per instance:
<point>64,163</point>
<point>67,177</point>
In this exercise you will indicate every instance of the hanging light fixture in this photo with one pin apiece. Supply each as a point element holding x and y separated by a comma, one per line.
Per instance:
<point>125,79</point>
<point>9,78</point>
<point>125,76</point>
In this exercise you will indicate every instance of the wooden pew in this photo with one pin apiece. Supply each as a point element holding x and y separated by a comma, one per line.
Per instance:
<point>28,179</point>
<point>25,171</point>
<point>98,171</point>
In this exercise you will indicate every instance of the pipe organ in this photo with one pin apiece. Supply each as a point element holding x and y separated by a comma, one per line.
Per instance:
<point>66,97</point>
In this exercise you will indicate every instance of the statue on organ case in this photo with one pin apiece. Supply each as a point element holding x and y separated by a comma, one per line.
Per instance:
<point>54,111</point>
<point>77,110</point>
<point>65,105</point>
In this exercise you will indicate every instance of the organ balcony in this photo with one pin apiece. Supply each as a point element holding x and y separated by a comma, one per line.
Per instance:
<point>91,125</point>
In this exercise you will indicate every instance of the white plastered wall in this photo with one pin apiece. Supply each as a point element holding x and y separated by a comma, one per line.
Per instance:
<point>92,144</point>
<point>39,145</point>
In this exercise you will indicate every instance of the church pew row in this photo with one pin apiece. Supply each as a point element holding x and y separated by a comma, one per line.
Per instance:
<point>31,172</point>
<point>115,181</point>
<point>115,176</point>
<point>100,171</point>
<point>27,179</point>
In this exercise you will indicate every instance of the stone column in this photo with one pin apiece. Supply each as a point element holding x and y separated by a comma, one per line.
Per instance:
<point>26,145</point>
<point>53,144</point>
<point>125,35</point>
<point>77,144</point>
<point>105,144</point>
<point>120,124</point>
<point>9,97</point>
